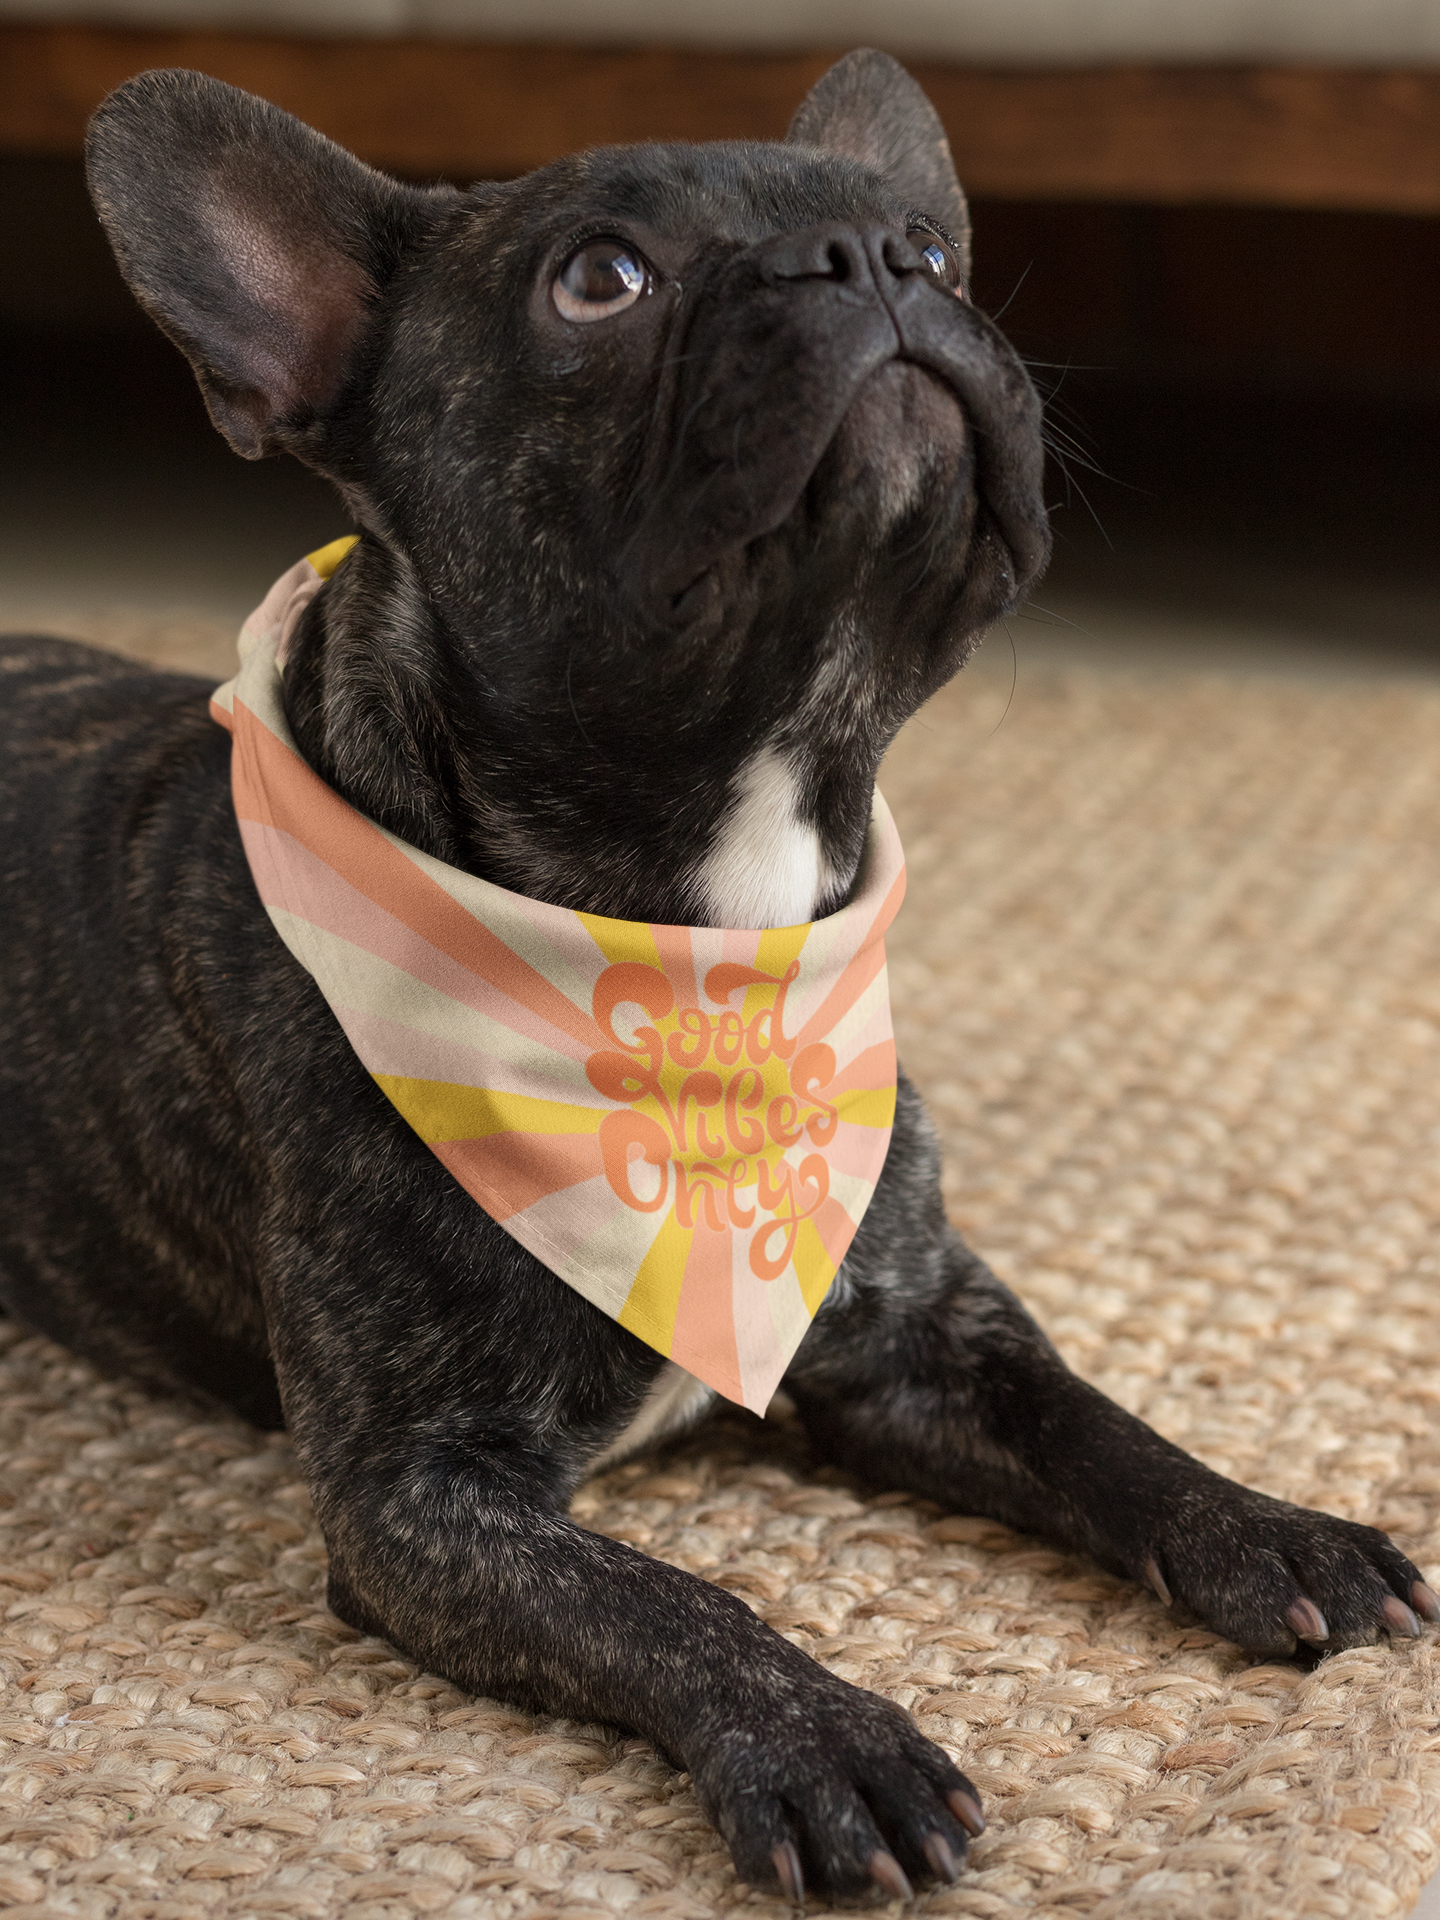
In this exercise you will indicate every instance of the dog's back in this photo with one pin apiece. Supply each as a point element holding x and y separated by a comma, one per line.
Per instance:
<point>114,1144</point>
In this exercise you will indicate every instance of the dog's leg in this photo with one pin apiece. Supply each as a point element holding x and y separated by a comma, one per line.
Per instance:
<point>441,1480</point>
<point>924,1372</point>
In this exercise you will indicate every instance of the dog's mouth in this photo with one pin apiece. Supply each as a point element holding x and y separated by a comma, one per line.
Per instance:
<point>903,439</point>
<point>847,408</point>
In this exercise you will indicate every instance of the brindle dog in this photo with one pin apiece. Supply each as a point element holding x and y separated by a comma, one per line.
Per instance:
<point>683,476</point>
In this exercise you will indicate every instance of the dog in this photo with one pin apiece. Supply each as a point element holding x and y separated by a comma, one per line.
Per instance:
<point>683,475</point>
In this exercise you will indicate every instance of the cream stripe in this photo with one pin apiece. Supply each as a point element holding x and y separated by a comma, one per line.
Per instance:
<point>762,1360</point>
<point>708,946</point>
<point>866,1023</point>
<point>530,927</point>
<point>351,976</point>
<point>406,1051</point>
<point>789,1315</point>
<point>556,1225</point>
<point>618,1246</point>
<point>852,1191</point>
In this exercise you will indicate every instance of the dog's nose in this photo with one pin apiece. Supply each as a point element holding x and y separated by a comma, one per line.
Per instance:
<point>875,256</point>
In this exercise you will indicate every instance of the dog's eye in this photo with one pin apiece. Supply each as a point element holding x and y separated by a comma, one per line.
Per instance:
<point>600,278</point>
<point>936,255</point>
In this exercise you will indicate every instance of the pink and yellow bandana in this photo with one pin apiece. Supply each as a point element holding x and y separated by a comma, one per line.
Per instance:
<point>686,1124</point>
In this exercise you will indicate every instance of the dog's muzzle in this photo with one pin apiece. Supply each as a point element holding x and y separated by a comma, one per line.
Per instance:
<point>775,351</point>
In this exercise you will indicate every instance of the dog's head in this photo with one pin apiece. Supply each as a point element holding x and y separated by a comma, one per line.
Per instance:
<point>686,473</point>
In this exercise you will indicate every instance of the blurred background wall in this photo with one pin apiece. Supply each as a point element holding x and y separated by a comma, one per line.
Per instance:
<point>1214,230</point>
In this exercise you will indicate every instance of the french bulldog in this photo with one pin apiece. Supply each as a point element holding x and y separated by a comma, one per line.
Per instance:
<point>683,475</point>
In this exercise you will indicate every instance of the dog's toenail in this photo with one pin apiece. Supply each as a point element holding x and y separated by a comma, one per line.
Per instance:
<point>1305,1619</point>
<point>788,1871</point>
<point>888,1874</point>
<point>1425,1601</point>
<point>942,1860</point>
<point>1398,1617</point>
<point>966,1809</point>
<point>1157,1580</point>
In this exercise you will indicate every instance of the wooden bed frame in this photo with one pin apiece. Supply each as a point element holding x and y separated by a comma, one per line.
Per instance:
<point>1261,136</point>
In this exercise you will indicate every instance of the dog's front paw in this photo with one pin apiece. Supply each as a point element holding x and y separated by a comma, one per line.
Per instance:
<point>1268,1575</point>
<point>835,1791</point>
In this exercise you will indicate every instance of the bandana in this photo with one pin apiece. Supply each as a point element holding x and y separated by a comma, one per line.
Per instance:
<point>685,1124</point>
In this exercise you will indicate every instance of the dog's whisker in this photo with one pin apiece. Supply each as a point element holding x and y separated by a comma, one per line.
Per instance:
<point>1001,311</point>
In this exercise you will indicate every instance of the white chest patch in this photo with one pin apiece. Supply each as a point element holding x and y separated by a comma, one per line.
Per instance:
<point>765,868</point>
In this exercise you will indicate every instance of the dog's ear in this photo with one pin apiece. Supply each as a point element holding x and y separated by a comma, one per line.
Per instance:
<point>868,108</point>
<point>254,242</point>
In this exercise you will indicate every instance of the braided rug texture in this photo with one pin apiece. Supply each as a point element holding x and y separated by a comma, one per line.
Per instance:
<point>1169,974</point>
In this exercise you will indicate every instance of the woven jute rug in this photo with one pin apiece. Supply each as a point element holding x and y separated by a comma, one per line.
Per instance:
<point>1169,973</point>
